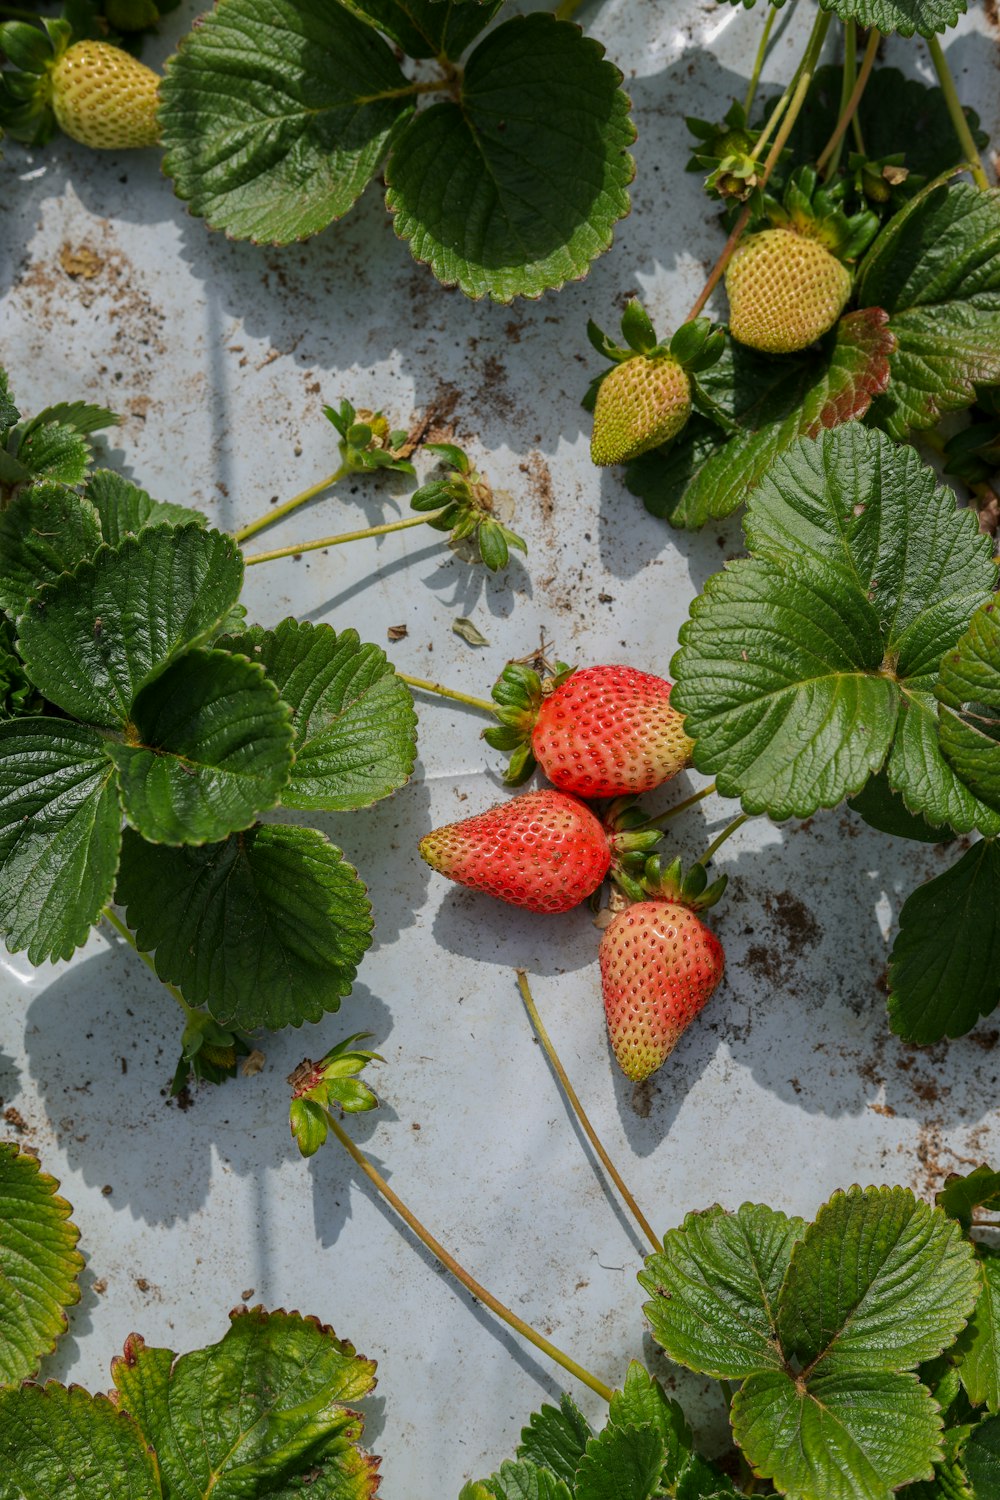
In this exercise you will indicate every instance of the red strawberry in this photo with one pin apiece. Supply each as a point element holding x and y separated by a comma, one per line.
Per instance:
<point>601,732</point>
<point>659,966</point>
<point>544,851</point>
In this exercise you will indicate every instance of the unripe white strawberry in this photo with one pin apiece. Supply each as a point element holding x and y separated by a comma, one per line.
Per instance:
<point>103,97</point>
<point>785,291</point>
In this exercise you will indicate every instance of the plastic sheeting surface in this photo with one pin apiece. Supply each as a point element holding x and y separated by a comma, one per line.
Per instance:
<point>220,357</point>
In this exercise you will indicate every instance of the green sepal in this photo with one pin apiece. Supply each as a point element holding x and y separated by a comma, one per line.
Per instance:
<point>690,889</point>
<point>637,328</point>
<point>603,344</point>
<point>464,502</point>
<point>520,766</point>
<point>518,693</point>
<point>25,90</point>
<point>698,345</point>
<point>366,442</point>
<point>813,210</point>
<point>331,1082</point>
<point>26,46</point>
<point>503,736</point>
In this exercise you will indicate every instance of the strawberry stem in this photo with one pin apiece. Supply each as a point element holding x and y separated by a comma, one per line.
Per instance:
<point>829,157</point>
<point>336,541</point>
<point>446,692</point>
<point>759,60</point>
<point>579,1111</point>
<point>269,517</point>
<point>505,1314</point>
<point>805,77</point>
<point>679,807</point>
<point>122,930</point>
<point>716,844</point>
<point>957,113</point>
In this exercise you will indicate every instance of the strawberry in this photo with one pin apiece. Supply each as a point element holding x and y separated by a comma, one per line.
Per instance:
<point>785,290</point>
<point>660,964</point>
<point>103,97</point>
<point>645,398</point>
<point>597,732</point>
<point>640,404</point>
<point>544,851</point>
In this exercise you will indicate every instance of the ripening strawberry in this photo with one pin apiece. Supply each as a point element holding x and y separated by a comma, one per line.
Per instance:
<point>105,98</point>
<point>785,291</point>
<point>660,964</point>
<point>641,403</point>
<point>544,851</point>
<point>610,731</point>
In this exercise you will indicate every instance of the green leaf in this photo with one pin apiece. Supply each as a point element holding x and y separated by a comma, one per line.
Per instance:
<point>556,1438</point>
<point>800,668</point>
<point>979,1345</point>
<point>516,187</point>
<point>969,693</point>
<point>979,1188</point>
<point>523,1481</point>
<point>842,1437</point>
<point>982,1460</point>
<point>880,1282</point>
<point>212,748</point>
<point>353,719</point>
<point>265,929</point>
<point>944,971</point>
<point>642,1403</point>
<point>44,532</point>
<point>124,509</point>
<point>857,500</point>
<point>621,1463</point>
<point>706,474</point>
<point>39,1263</point>
<point>277,113</point>
<point>715,1286</point>
<point>60,831</point>
<point>427,28</point>
<point>779,678</point>
<point>67,1443</point>
<point>885,810</point>
<point>935,268</point>
<point>54,444</point>
<point>260,1412</point>
<point>904,16</point>
<point>93,639</point>
<point>17,693</point>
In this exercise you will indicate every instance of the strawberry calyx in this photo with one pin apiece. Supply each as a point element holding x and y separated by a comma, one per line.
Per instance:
<point>26,87</point>
<point>659,882</point>
<point>466,507</point>
<point>815,211</point>
<point>631,839</point>
<point>519,692</point>
<point>366,441</point>
<point>330,1083</point>
<point>724,151</point>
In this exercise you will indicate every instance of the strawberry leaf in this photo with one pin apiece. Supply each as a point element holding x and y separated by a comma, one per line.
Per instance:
<point>277,113</point>
<point>944,972</point>
<point>353,719</point>
<point>94,638</point>
<point>840,1419</point>
<point>981,1458</point>
<point>801,669</point>
<point>55,1441</point>
<point>706,474</point>
<point>60,832</point>
<point>519,1481</point>
<point>210,748</point>
<point>516,187</point>
<point>262,1411</point>
<point>556,1438</point>
<point>427,28</point>
<point>841,1437</point>
<point>904,16</point>
<point>978,1350</point>
<point>55,444</point>
<point>124,509</point>
<point>44,532</point>
<point>935,268</point>
<point>624,1461</point>
<point>265,929</point>
<point>969,695</point>
<point>39,1264</point>
<point>715,1288</point>
<point>879,1282</point>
